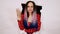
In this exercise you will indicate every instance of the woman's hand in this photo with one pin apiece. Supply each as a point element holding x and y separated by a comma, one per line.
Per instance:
<point>18,14</point>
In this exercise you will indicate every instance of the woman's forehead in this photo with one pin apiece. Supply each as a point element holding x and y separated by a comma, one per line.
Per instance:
<point>30,4</point>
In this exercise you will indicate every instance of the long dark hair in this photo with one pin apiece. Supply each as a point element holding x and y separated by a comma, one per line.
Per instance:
<point>27,6</point>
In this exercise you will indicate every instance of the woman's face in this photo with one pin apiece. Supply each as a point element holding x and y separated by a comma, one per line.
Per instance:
<point>30,7</point>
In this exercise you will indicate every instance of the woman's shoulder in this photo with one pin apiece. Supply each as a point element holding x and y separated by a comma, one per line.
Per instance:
<point>22,14</point>
<point>38,15</point>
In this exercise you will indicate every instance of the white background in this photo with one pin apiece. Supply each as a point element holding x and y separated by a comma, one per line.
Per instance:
<point>50,16</point>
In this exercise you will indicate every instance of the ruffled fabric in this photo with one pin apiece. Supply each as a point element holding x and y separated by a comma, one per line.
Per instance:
<point>32,27</point>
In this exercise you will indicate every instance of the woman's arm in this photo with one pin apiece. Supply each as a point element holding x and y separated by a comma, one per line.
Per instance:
<point>20,21</point>
<point>39,22</point>
<point>18,14</point>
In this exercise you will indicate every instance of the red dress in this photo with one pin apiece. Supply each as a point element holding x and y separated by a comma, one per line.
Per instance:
<point>21,26</point>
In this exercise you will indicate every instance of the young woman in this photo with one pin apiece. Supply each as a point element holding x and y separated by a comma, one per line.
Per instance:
<point>29,20</point>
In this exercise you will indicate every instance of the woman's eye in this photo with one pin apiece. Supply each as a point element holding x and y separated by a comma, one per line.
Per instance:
<point>27,6</point>
<point>31,6</point>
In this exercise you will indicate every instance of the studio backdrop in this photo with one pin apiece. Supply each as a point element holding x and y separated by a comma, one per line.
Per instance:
<point>50,16</point>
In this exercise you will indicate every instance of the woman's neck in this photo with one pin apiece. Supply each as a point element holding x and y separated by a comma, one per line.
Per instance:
<point>30,14</point>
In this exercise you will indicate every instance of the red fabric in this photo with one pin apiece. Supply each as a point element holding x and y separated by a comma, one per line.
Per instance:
<point>29,23</point>
<point>39,21</point>
<point>20,24</point>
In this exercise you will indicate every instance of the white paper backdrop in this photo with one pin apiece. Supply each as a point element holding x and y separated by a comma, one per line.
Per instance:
<point>50,16</point>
